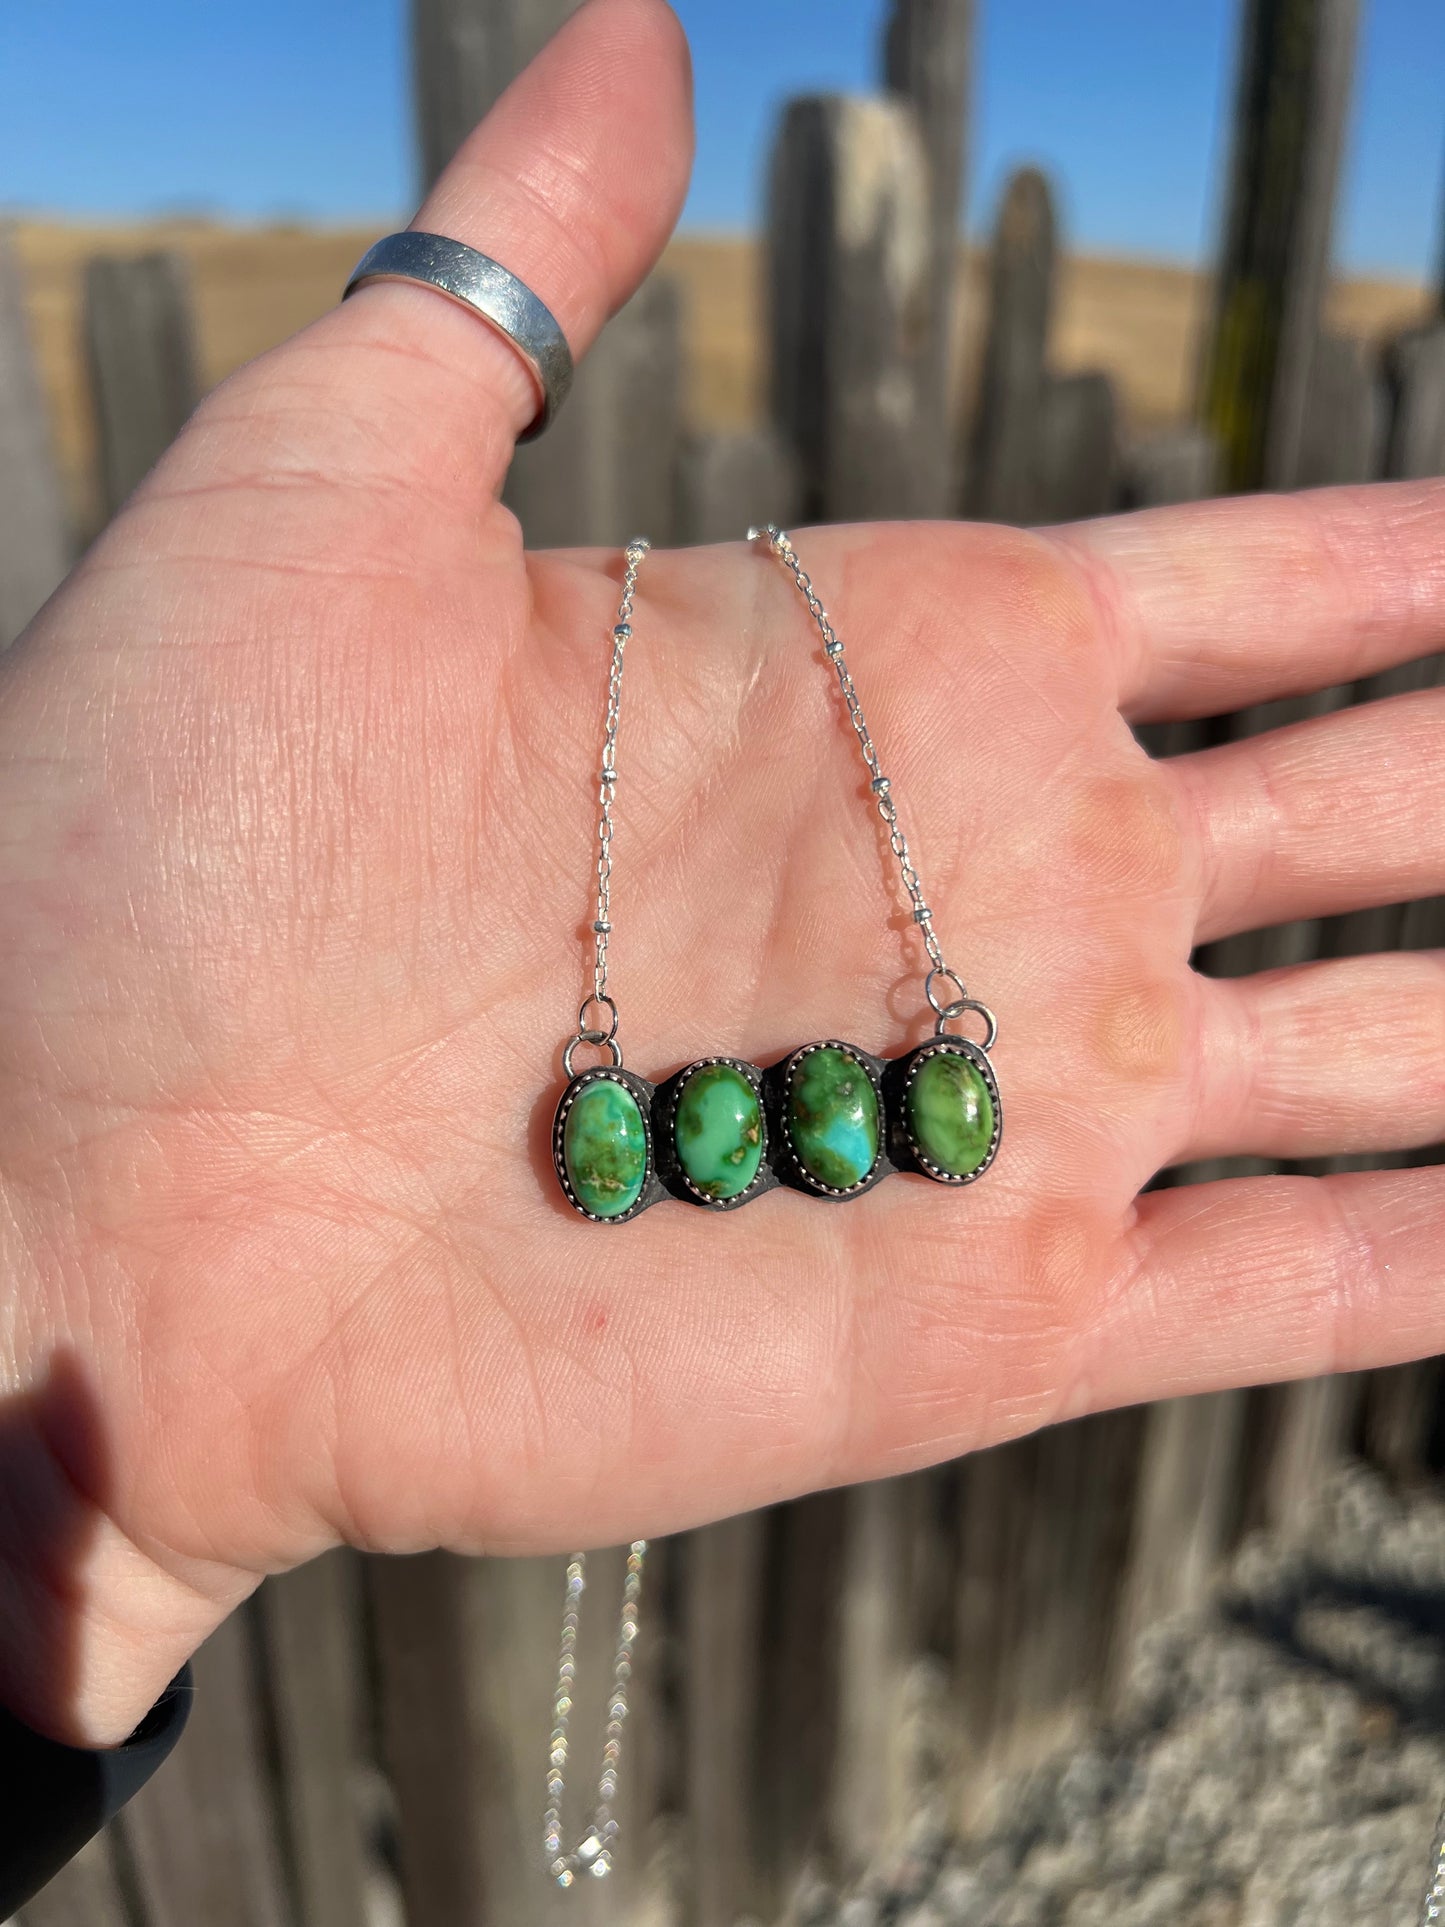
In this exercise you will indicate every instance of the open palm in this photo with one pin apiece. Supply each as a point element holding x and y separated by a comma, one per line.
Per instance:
<point>298,786</point>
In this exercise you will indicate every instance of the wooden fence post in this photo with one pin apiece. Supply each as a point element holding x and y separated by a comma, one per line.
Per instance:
<point>1002,468</point>
<point>204,1835</point>
<point>724,1632</point>
<point>1187,1514</point>
<point>725,483</point>
<point>141,351</point>
<point>607,469</point>
<point>464,54</point>
<point>1415,373</point>
<point>311,1627</point>
<point>423,1664</point>
<point>927,58</point>
<point>1291,103</point>
<point>35,542</point>
<point>1076,462</point>
<point>798,1700</point>
<point>1169,466</point>
<point>1342,436</point>
<point>848,278</point>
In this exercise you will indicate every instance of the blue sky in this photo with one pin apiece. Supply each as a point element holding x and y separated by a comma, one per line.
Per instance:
<point>300,108</point>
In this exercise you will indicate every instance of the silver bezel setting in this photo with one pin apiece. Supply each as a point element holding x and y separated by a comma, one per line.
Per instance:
<point>610,1074</point>
<point>954,1047</point>
<point>759,1178</point>
<point>801,1171</point>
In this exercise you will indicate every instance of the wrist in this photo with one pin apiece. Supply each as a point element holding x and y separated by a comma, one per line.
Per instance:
<point>92,1627</point>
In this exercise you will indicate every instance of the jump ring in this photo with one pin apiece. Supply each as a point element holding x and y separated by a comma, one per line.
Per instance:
<point>957,1008</point>
<point>946,976</point>
<point>609,1044</point>
<point>606,1002</point>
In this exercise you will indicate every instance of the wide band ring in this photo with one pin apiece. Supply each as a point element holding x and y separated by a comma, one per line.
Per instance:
<point>478,282</point>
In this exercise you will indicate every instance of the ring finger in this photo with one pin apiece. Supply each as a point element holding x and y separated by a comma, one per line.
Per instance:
<point>1321,1059</point>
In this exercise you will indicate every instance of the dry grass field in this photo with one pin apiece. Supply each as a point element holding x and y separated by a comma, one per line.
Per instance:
<point>254,286</point>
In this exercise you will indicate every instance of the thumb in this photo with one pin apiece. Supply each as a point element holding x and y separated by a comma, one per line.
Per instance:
<point>573,182</point>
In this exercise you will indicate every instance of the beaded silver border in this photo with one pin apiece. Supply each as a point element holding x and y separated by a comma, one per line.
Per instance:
<point>684,1077</point>
<point>951,1047</point>
<point>610,1074</point>
<point>790,1069</point>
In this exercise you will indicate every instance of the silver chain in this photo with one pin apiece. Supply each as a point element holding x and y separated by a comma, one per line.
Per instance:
<point>1432,1908</point>
<point>954,998</point>
<point>600,999</point>
<point>593,1853</point>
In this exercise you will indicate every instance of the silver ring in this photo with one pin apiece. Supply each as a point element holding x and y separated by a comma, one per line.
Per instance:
<point>478,282</point>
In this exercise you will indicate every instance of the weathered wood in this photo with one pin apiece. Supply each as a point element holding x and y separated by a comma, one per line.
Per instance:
<point>423,1670</point>
<point>1415,375</point>
<point>927,61</point>
<point>1046,1525</point>
<point>1172,465</point>
<point>1342,433</point>
<point>86,1893</point>
<point>35,540</point>
<point>848,279</point>
<point>607,469</point>
<point>994,1492</point>
<point>1187,1513</point>
<point>1291,105</point>
<point>203,1834</point>
<point>1001,485</point>
<point>140,348</point>
<point>1076,462</point>
<point>722,1577</point>
<point>728,482</point>
<point>1402,1427</point>
<point>868,1797</point>
<point>798,1711</point>
<point>464,53</point>
<point>310,1622</point>
<point>1303,1435</point>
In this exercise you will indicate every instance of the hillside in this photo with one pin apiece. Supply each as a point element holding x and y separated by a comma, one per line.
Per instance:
<point>254,286</point>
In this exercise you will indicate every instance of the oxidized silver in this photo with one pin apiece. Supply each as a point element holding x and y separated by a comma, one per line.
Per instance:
<point>669,1160</point>
<point>944,1044</point>
<point>478,282</point>
<point>873,1069</point>
<point>640,1090</point>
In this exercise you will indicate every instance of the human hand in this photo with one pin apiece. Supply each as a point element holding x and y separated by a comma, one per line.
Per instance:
<point>297,780</point>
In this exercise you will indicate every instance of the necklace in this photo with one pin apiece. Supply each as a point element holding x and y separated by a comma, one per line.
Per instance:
<point>831,1119</point>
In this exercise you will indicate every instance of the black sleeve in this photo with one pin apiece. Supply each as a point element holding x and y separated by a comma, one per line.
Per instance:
<point>56,1797</point>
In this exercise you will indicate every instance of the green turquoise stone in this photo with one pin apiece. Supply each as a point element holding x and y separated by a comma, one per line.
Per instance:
<point>719,1131</point>
<point>950,1112</point>
<point>604,1147</point>
<point>833,1117</point>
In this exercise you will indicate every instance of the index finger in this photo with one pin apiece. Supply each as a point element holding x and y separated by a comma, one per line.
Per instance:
<point>1220,604</point>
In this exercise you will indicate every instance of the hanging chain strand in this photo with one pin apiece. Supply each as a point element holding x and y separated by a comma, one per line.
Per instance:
<point>600,999</point>
<point>1432,1908</point>
<point>593,1854</point>
<point>955,998</point>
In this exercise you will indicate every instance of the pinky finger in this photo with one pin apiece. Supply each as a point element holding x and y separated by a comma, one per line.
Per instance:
<point>1252,1280</point>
